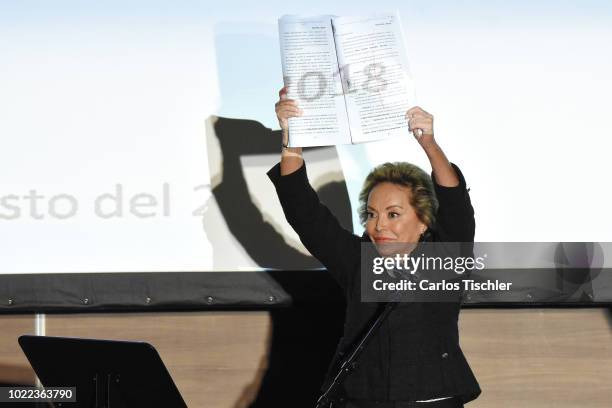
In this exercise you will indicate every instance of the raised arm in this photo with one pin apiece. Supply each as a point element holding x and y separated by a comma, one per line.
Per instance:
<point>318,229</point>
<point>291,157</point>
<point>421,125</point>
<point>455,217</point>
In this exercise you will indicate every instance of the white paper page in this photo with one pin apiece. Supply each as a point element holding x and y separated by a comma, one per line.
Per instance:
<point>380,90</point>
<point>310,69</point>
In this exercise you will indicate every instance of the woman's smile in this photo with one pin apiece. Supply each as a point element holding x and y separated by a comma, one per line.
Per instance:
<point>383,239</point>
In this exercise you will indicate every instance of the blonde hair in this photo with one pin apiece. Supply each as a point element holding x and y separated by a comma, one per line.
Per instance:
<point>422,198</point>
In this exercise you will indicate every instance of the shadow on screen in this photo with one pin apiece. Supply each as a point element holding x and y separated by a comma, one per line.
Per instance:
<point>304,335</point>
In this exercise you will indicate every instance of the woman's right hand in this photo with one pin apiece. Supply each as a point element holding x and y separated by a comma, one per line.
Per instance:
<point>285,109</point>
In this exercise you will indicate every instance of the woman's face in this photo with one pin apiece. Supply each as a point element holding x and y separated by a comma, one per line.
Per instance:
<point>391,219</point>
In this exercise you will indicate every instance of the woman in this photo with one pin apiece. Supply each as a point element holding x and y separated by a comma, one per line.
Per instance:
<point>414,358</point>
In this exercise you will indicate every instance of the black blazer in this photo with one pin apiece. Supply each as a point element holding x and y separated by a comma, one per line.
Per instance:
<point>415,355</point>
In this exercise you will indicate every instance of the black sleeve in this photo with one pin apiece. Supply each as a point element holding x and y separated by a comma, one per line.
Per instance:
<point>455,217</point>
<point>319,230</point>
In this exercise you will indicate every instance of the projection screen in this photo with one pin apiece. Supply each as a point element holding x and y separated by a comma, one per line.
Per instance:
<point>136,140</point>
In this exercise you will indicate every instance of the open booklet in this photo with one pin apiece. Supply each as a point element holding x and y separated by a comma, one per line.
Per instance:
<point>349,75</point>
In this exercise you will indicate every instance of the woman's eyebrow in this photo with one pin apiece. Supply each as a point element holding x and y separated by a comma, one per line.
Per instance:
<point>391,206</point>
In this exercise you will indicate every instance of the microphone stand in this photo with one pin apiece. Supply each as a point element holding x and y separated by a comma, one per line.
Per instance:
<point>328,397</point>
<point>326,400</point>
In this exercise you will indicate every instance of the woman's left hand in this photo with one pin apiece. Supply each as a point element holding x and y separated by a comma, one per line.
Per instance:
<point>420,123</point>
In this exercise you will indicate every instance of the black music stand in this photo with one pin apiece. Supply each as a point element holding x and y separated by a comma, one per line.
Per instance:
<point>106,373</point>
